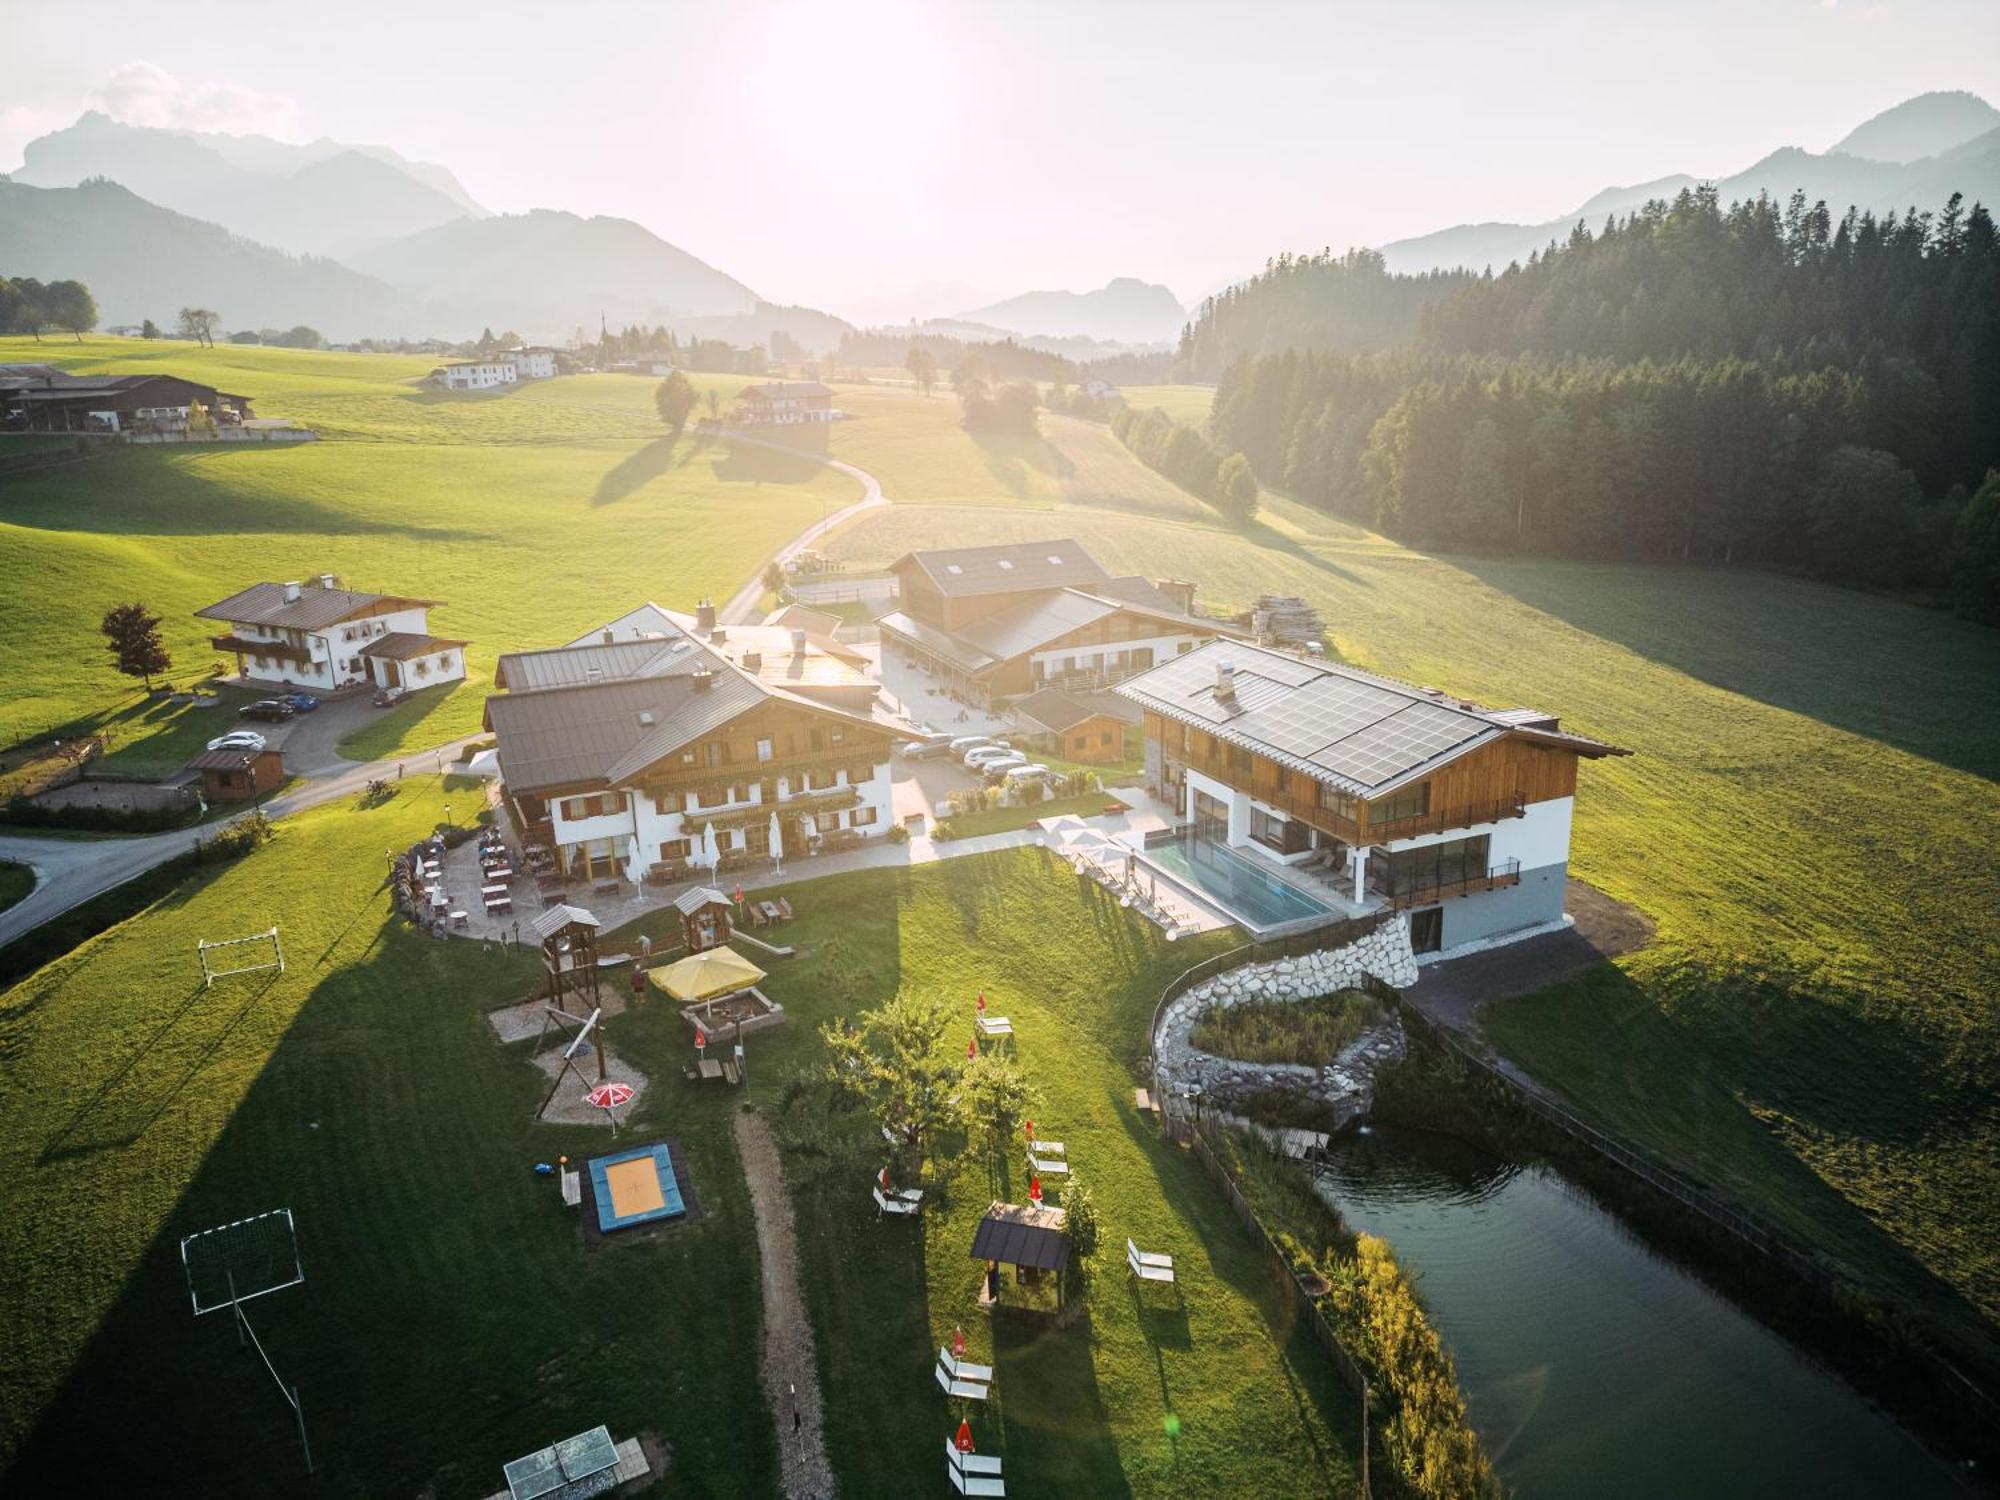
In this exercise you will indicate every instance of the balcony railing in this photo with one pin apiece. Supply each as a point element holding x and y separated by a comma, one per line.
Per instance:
<point>1506,873</point>
<point>278,650</point>
<point>1308,809</point>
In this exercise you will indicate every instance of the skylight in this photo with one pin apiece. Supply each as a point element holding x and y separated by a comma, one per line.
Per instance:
<point>1057,561</point>
<point>1006,563</point>
<point>953,568</point>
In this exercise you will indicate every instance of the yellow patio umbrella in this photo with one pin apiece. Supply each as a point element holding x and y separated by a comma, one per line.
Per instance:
<point>706,976</point>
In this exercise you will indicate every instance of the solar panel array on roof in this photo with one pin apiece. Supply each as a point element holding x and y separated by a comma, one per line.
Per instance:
<point>1362,731</point>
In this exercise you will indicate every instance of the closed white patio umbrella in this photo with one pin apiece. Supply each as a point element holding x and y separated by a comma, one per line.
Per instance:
<point>777,843</point>
<point>711,852</point>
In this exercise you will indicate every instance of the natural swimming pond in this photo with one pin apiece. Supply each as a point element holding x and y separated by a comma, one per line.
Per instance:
<point>1593,1365</point>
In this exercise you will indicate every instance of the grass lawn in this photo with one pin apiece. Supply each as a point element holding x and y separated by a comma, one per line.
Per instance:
<point>1006,819</point>
<point>1081,1411</point>
<point>450,1317</point>
<point>1808,818</point>
<point>15,883</point>
<point>531,514</point>
<point>1184,403</point>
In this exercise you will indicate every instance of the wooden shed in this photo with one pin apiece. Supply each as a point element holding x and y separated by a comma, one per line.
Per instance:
<point>238,775</point>
<point>705,917</point>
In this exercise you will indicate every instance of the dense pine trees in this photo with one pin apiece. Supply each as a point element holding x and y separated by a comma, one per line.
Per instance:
<point>1694,382</point>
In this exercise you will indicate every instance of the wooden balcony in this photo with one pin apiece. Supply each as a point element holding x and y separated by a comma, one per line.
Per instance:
<point>710,783</point>
<point>1308,809</point>
<point>1504,874</point>
<point>280,650</point>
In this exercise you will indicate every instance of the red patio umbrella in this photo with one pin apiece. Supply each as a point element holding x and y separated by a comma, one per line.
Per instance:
<point>1035,1188</point>
<point>963,1441</point>
<point>883,1177</point>
<point>610,1095</point>
<point>957,1343</point>
<point>1029,1126</point>
<point>700,1039</point>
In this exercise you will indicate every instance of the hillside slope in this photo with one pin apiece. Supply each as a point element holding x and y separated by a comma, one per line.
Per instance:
<point>1122,311</point>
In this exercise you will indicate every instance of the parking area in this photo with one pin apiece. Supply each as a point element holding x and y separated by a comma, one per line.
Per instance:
<point>308,739</point>
<point>922,699</point>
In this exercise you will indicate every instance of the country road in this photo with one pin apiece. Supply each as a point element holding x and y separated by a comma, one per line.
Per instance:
<point>69,872</point>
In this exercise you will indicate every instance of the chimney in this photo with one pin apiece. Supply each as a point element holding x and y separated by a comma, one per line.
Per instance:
<point>1225,678</point>
<point>718,635</point>
<point>608,636</point>
<point>798,643</point>
<point>291,593</point>
<point>704,616</point>
<point>328,581</point>
<point>703,680</point>
<point>752,660</point>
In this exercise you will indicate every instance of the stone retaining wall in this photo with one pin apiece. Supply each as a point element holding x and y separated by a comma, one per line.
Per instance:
<point>1344,1087</point>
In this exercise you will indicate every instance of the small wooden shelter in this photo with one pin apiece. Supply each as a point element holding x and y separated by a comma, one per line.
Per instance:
<point>705,917</point>
<point>568,935</point>
<point>1026,1236</point>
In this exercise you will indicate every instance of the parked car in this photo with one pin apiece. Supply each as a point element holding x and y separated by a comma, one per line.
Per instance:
<point>932,743</point>
<point>388,697</point>
<point>303,703</point>
<point>267,708</point>
<point>966,742</point>
<point>238,739</point>
<point>995,770</point>
<point>1022,775</point>
<point>978,755</point>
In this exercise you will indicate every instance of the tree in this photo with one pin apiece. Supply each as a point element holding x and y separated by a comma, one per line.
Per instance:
<point>1975,555</point>
<point>895,1066</point>
<point>675,399</point>
<point>300,337</point>
<point>1862,517</point>
<point>149,329</point>
<point>774,577</point>
<point>199,324</point>
<point>134,632</point>
<point>713,400</point>
<point>995,1096</point>
<point>1236,490</point>
<point>1480,505</point>
<point>922,365</point>
<point>68,304</point>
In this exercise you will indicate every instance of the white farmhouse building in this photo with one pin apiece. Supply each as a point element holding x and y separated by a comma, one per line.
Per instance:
<point>322,636</point>
<point>476,374</point>
<point>530,363</point>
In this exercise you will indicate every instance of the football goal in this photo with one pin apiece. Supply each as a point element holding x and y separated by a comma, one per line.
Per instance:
<point>233,1263</point>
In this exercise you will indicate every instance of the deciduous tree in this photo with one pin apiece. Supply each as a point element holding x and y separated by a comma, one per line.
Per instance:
<point>675,399</point>
<point>134,641</point>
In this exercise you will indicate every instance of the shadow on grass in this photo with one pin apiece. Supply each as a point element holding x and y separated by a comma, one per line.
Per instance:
<point>1058,1433</point>
<point>635,471</point>
<point>1886,670</point>
<point>751,463</point>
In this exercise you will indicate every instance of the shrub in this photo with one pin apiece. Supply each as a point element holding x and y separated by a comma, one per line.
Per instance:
<point>1307,1032</point>
<point>24,812</point>
<point>942,831</point>
<point>898,834</point>
<point>235,838</point>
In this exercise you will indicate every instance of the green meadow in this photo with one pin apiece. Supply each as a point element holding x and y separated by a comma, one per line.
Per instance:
<point>1808,818</point>
<point>1184,403</point>
<point>451,1318</point>
<point>530,514</point>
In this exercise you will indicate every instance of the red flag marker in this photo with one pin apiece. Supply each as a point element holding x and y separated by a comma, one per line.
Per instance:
<point>963,1442</point>
<point>972,1048</point>
<point>982,1002</point>
<point>1035,1188</point>
<point>958,1343</point>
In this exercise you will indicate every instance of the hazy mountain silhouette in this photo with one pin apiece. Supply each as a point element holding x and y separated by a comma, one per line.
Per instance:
<point>1927,125</point>
<point>144,261</point>
<point>1123,311</point>
<point>1959,133</point>
<point>546,273</point>
<point>324,199</point>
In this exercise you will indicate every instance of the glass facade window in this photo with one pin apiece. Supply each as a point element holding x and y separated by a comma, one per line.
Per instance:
<point>1432,867</point>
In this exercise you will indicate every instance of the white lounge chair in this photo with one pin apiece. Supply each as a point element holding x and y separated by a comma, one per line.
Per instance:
<point>951,1385</point>
<point>572,1187</point>
<point>964,1371</point>
<point>970,1463</point>
<point>1148,1267</point>
<point>909,1195</point>
<point>1048,1166</point>
<point>967,1484</point>
<point>1047,1148</point>
<point>898,1206</point>
<point>995,1026</point>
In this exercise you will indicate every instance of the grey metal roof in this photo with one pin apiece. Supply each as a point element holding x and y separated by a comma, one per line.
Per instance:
<point>580,736</point>
<point>1020,1234</point>
<point>559,916</point>
<point>1008,567</point>
<point>1056,710</point>
<point>1355,731</point>
<point>773,390</point>
<point>943,643</point>
<point>580,666</point>
<point>694,714</point>
<point>265,604</point>
<point>695,897</point>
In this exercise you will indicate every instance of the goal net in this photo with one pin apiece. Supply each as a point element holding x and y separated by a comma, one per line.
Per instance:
<point>235,1262</point>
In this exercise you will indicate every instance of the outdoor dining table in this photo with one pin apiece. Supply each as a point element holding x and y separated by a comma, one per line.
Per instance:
<point>497,872</point>
<point>493,890</point>
<point>710,1068</point>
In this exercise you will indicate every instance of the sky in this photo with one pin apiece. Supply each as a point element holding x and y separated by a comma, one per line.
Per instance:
<point>886,159</point>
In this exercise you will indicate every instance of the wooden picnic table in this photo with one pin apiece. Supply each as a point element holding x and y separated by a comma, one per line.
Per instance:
<point>770,911</point>
<point>498,872</point>
<point>710,1068</point>
<point>493,890</point>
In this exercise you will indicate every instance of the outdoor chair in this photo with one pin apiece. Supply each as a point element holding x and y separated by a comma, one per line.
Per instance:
<point>995,1026</point>
<point>953,1386</point>
<point>963,1370</point>
<point>784,908</point>
<point>971,1463</point>
<point>897,1206</point>
<point>1148,1267</point>
<point>969,1474</point>
<point>1048,1166</point>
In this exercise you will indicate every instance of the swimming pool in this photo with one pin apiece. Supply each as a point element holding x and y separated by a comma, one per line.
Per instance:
<point>1258,900</point>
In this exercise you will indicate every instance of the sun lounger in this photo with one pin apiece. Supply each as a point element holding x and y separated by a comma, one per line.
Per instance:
<point>1148,1267</point>
<point>1048,1166</point>
<point>572,1187</point>
<point>954,1387</point>
<point>963,1371</point>
<point>909,1195</point>
<point>969,1484</point>
<point>995,1026</point>
<point>1047,1148</point>
<point>970,1463</point>
<point>897,1206</point>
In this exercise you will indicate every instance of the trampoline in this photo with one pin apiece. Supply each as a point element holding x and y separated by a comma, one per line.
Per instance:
<point>634,1187</point>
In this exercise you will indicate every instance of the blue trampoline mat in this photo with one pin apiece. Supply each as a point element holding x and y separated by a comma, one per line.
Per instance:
<point>627,1196</point>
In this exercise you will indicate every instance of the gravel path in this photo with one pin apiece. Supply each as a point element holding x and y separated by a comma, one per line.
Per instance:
<point>789,1362</point>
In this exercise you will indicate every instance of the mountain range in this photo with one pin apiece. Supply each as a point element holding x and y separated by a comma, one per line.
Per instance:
<point>1123,311</point>
<point>1917,153</point>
